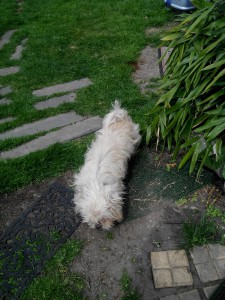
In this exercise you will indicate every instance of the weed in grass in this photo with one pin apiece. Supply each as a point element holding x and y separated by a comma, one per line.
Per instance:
<point>57,281</point>
<point>181,201</point>
<point>109,236</point>
<point>213,211</point>
<point>184,201</point>
<point>198,233</point>
<point>126,285</point>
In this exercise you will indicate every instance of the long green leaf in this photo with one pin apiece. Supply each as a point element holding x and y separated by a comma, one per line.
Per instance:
<point>218,112</point>
<point>171,37</point>
<point>202,17</point>
<point>213,45</point>
<point>195,156</point>
<point>215,132</point>
<point>210,123</point>
<point>189,142</point>
<point>186,157</point>
<point>207,152</point>
<point>154,110</point>
<point>214,65</point>
<point>222,73</point>
<point>148,135</point>
<point>168,96</point>
<point>200,4</point>
<point>219,144</point>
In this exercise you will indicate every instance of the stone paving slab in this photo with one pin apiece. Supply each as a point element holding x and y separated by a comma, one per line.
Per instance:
<point>170,269</point>
<point>9,119</point>
<point>9,71</point>
<point>147,68</point>
<point>5,90</point>
<point>42,125</point>
<point>190,295</point>
<point>5,101</point>
<point>55,102</point>
<point>62,135</point>
<point>62,88</point>
<point>19,49</point>
<point>210,290</point>
<point>5,38</point>
<point>209,262</point>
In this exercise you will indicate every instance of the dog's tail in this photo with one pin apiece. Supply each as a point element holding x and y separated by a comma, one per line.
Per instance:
<point>117,114</point>
<point>116,105</point>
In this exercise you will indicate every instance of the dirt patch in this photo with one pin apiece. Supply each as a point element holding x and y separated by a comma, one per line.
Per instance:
<point>104,260</point>
<point>105,257</point>
<point>159,30</point>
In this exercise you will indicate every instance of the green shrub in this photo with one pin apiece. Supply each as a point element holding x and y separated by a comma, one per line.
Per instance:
<point>190,113</point>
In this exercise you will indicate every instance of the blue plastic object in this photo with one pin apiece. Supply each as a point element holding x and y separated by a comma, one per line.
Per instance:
<point>184,5</point>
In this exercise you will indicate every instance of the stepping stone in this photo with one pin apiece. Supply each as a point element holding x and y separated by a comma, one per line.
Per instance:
<point>146,68</point>
<point>62,135</point>
<point>190,295</point>
<point>210,290</point>
<point>9,119</point>
<point>209,262</point>
<point>54,102</point>
<point>62,88</point>
<point>5,90</point>
<point>9,71</point>
<point>5,101</point>
<point>19,49</point>
<point>5,38</point>
<point>42,125</point>
<point>170,269</point>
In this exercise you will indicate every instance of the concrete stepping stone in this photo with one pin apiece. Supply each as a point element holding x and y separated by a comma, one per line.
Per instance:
<point>210,290</point>
<point>5,101</point>
<point>209,262</point>
<point>146,68</point>
<point>170,269</point>
<point>42,125</point>
<point>9,119</point>
<point>62,88</point>
<point>54,102</point>
<point>190,295</point>
<point>62,135</point>
<point>5,90</point>
<point>19,49</point>
<point>5,38</point>
<point>9,71</point>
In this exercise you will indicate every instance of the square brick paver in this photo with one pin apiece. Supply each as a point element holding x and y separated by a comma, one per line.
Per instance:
<point>210,290</point>
<point>209,262</point>
<point>190,295</point>
<point>170,269</point>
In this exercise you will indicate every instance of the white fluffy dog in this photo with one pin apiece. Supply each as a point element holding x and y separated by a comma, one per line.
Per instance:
<point>99,185</point>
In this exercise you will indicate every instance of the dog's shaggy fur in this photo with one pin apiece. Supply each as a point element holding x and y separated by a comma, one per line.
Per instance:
<point>99,185</point>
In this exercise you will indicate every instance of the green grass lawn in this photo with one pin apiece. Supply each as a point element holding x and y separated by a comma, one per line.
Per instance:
<point>69,40</point>
<point>57,281</point>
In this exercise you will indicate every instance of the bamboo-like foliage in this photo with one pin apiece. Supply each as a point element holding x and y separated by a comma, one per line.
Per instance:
<point>190,113</point>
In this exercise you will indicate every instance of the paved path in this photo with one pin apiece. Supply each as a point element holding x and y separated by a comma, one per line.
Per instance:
<point>67,127</point>
<point>62,135</point>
